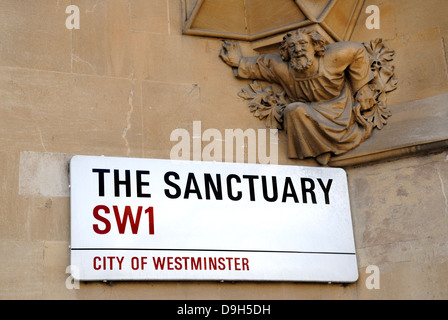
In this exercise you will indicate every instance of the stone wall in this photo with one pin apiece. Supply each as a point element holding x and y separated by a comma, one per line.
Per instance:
<point>127,78</point>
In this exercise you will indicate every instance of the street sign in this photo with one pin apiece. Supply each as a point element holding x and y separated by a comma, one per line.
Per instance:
<point>147,219</point>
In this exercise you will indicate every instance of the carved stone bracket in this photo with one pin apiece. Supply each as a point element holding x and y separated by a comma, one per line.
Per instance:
<point>417,127</point>
<point>318,127</point>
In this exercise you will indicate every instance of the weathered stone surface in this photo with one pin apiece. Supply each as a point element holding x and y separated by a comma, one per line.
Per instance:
<point>22,272</point>
<point>416,127</point>
<point>255,19</point>
<point>44,174</point>
<point>119,85</point>
<point>33,35</point>
<point>67,113</point>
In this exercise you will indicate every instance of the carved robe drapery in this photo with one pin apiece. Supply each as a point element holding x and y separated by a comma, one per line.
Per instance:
<point>321,117</point>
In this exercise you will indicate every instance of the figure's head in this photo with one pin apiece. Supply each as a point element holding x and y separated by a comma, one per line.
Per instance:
<point>300,47</point>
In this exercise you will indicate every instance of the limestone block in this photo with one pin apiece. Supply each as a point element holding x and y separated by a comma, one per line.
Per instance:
<point>22,273</point>
<point>43,208</point>
<point>9,168</point>
<point>400,203</point>
<point>105,44</point>
<point>35,203</point>
<point>102,45</point>
<point>399,212</point>
<point>56,282</point>
<point>90,43</point>
<point>408,280</point>
<point>150,16</point>
<point>72,114</point>
<point>33,35</point>
<point>166,107</point>
<point>12,219</point>
<point>44,174</point>
<point>125,38</point>
<point>179,59</point>
<point>138,40</point>
<point>42,218</point>
<point>413,16</point>
<point>420,66</point>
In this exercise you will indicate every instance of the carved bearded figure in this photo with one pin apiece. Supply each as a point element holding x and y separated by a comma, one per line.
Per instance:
<point>328,85</point>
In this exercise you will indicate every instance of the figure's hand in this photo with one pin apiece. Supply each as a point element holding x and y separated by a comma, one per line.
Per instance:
<point>365,97</point>
<point>231,53</point>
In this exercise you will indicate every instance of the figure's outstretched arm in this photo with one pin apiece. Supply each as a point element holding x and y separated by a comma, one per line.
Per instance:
<point>231,53</point>
<point>262,67</point>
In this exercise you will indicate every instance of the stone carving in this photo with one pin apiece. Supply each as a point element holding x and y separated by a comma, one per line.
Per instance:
<point>333,95</point>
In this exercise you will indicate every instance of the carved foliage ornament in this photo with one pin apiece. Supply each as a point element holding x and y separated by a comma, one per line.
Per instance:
<point>333,97</point>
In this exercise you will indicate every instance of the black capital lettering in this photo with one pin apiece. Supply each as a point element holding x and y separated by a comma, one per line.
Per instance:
<point>308,190</point>
<point>326,189</point>
<point>126,182</point>
<point>251,185</point>
<point>229,187</point>
<point>188,189</point>
<point>274,189</point>
<point>216,188</point>
<point>141,183</point>
<point>177,189</point>
<point>101,173</point>
<point>286,193</point>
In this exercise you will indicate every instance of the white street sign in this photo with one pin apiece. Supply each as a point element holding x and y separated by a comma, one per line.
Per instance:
<point>144,219</point>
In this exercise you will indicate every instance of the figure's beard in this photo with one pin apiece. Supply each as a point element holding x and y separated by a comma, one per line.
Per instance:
<point>302,63</point>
